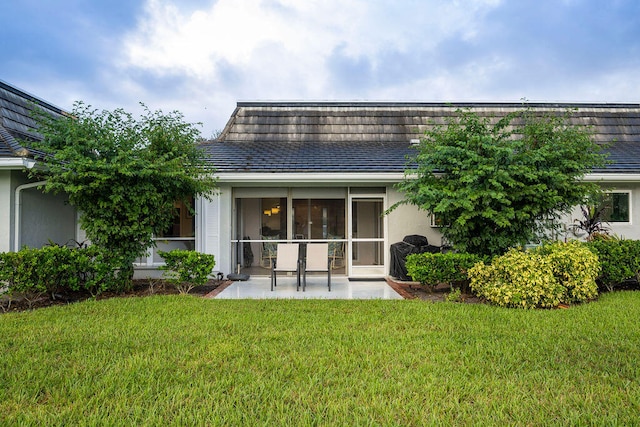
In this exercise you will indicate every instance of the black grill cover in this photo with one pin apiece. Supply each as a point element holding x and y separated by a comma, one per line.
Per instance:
<point>413,244</point>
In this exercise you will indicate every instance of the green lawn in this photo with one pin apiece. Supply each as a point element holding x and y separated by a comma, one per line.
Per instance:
<point>182,360</point>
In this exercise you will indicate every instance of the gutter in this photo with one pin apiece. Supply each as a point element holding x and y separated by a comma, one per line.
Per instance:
<point>18,207</point>
<point>368,177</point>
<point>612,177</point>
<point>17,163</point>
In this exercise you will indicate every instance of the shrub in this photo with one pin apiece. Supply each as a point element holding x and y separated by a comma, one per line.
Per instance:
<point>619,260</point>
<point>99,271</point>
<point>187,269</point>
<point>545,277</point>
<point>517,279</point>
<point>18,270</point>
<point>454,296</point>
<point>431,269</point>
<point>575,267</point>
<point>55,268</point>
<point>31,273</point>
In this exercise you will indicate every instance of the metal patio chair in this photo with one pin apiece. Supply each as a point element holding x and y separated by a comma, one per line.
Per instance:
<point>317,260</point>
<point>287,260</point>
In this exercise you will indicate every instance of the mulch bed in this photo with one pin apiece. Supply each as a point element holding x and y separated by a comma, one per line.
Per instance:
<point>414,290</point>
<point>142,288</point>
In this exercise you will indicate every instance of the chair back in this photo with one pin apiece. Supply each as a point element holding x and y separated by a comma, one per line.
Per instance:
<point>317,256</point>
<point>269,248</point>
<point>287,256</point>
<point>336,249</point>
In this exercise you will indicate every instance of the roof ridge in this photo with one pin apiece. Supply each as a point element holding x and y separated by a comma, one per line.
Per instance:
<point>436,104</point>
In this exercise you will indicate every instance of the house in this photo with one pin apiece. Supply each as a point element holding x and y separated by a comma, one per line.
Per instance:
<point>303,171</point>
<point>28,217</point>
<point>326,171</point>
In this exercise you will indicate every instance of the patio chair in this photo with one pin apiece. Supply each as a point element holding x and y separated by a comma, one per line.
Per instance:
<point>317,261</point>
<point>287,260</point>
<point>267,250</point>
<point>336,253</point>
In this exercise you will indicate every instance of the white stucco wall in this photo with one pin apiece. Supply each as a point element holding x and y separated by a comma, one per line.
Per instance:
<point>629,230</point>
<point>5,210</point>
<point>407,220</point>
<point>10,180</point>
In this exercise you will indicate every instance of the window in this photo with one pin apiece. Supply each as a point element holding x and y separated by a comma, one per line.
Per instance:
<point>183,221</point>
<point>180,234</point>
<point>617,207</point>
<point>437,221</point>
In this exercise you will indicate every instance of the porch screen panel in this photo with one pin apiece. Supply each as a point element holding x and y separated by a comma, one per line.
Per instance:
<point>319,218</point>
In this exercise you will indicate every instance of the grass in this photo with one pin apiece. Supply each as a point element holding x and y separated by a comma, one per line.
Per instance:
<point>181,360</point>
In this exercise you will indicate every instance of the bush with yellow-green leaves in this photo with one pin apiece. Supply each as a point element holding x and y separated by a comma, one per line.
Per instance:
<point>575,267</point>
<point>541,278</point>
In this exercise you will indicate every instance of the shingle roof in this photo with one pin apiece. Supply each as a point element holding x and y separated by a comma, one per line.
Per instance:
<point>16,123</point>
<point>375,137</point>
<point>296,156</point>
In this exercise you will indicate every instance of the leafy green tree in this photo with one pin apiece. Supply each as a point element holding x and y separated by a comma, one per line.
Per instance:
<point>123,174</point>
<point>498,185</point>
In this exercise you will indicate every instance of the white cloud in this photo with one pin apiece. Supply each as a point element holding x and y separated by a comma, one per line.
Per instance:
<point>290,39</point>
<point>203,61</point>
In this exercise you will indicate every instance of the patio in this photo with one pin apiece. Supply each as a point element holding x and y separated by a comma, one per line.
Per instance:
<point>341,288</point>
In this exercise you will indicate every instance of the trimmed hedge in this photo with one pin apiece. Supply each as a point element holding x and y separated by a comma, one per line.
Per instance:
<point>619,259</point>
<point>431,269</point>
<point>541,278</point>
<point>32,273</point>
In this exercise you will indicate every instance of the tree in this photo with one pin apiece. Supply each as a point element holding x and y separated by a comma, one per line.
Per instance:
<point>124,175</point>
<point>495,186</point>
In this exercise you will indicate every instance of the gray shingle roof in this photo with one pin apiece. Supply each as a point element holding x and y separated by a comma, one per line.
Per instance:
<point>375,137</point>
<point>16,123</point>
<point>296,156</point>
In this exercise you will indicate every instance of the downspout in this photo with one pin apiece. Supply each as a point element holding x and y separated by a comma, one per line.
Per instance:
<point>18,205</point>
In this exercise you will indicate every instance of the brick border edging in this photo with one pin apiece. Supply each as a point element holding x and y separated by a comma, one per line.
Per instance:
<point>214,293</point>
<point>400,288</point>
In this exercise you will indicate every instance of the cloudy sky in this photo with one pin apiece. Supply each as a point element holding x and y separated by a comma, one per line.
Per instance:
<point>202,56</point>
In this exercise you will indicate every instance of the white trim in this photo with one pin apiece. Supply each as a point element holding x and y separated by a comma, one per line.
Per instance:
<point>288,178</point>
<point>16,163</point>
<point>200,226</point>
<point>612,177</point>
<point>360,271</point>
<point>630,205</point>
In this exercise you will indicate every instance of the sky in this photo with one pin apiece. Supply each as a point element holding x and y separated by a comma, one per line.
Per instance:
<point>201,57</point>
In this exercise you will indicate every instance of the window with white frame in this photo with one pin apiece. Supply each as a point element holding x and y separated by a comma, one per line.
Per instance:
<point>617,207</point>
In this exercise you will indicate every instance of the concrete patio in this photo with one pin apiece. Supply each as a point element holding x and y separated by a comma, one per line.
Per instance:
<point>341,288</point>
